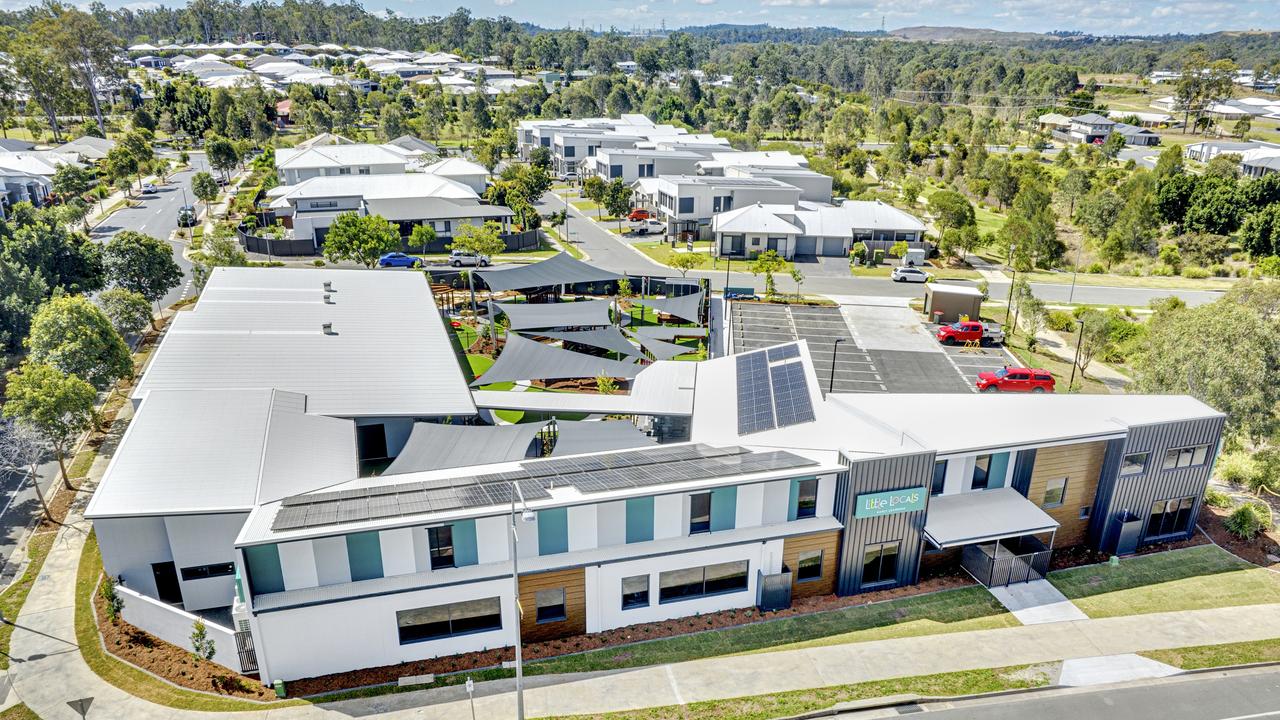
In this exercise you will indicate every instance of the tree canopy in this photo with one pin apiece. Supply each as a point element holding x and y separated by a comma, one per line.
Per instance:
<point>73,335</point>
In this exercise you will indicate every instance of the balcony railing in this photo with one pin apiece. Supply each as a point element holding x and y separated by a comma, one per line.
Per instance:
<point>1008,561</point>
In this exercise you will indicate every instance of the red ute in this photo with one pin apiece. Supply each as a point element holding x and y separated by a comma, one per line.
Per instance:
<point>969,331</point>
<point>1009,379</point>
<point>639,214</point>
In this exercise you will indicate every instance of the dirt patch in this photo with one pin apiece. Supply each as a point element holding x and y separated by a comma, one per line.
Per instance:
<point>1077,555</point>
<point>177,665</point>
<point>1255,550</point>
<point>617,637</point>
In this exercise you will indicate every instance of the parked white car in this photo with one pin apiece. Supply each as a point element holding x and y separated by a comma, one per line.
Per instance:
<point>909,274</point>
<point>458,258</point>
<point>649,227</point>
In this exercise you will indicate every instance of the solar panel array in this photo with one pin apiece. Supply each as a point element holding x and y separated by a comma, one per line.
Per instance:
<point>588,474</point>
<point>772,391</point>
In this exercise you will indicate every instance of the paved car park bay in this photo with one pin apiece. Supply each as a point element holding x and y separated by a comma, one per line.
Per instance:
<point>756,326</point>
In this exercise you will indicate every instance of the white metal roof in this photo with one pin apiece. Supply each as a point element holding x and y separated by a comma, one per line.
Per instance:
<point>455,167</point>
<point>336,156</point>
<point>755,218</point>
<point>388,354</point>
<point>387,186</point>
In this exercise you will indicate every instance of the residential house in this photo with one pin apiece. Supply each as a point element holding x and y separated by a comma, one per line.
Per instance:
<point>632,164</point>
<point>687,203</point>
<point>294,165</point>
<point>809,229</point>
<point>461,170</point>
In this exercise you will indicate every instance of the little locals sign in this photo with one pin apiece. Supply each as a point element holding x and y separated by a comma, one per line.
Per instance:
<point>890,502</point>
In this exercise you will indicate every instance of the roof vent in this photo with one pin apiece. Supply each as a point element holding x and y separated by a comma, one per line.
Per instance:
<point>328,286</point>
<point>328,329</point>
<point>328,299</point>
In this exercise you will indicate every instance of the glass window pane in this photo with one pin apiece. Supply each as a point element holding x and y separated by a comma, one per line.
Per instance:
<point>475,615</point>
<point>550,604</point>
<point>635,592</point>
<point>889,562</point>
<point>809,565</point>
<point>939,477</point>
<point>726,577</point>
<point>423,623</point>
<point>700,513</point>
<point>1170,460</point>
<point>1133,464</point>
<point>807,503</point>
<point>981,472</point>
<point>1054,491</point>
<point>677,584</point>
<point>440,540</point>
<point>871,564</point>
<point>1200,454</point>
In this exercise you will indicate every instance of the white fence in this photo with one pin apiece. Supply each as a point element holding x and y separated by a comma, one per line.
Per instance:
<point>174,626</point>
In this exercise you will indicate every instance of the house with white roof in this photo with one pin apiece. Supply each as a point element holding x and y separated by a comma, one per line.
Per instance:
<point>248,488</point>
<point>809,229</point>
<point>687,203</point>
<point>294,165</point>
<point>461,170</point>
<point>632,164</point>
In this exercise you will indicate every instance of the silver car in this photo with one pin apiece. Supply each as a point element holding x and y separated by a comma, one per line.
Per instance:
<point>458,258</point>
<point>909,274</point>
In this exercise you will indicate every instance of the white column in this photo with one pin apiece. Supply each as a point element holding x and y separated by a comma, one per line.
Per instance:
<point>669,518</point>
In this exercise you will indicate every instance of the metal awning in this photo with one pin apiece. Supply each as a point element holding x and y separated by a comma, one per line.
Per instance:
<point>559,269</point>
<point>525,359</point>
<point>685,307</point>
<point>587,436</point>
<point>433,446</point>
<point>525,316</point>
<point>983,516</point>
<point>608,338</point>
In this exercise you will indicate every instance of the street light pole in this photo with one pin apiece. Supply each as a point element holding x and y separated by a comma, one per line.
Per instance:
<point>728,263</point>
<point>1076,362</point>
<point>831,383</point>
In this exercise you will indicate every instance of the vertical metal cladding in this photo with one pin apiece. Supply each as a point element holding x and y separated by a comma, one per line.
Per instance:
<point>1136,493</point>
<point>871,476</point>
<point>1100,514</point>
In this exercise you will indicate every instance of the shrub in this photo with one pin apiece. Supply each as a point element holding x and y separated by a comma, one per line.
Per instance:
<point>1220,271</point>
<point>1238,468</point>
<point>1095,268</point>
<point>1194,273</point>
<point>1216,498</point>
<point>1163,271</point>
<point>877,258</point>
<point>1061,321</point>
<point>1269,266</point>
<point>318,263</point>
<point>1249,520</point>
<point>111,600</point>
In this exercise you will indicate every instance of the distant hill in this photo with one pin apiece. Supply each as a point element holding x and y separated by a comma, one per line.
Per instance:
<point>930,33</point>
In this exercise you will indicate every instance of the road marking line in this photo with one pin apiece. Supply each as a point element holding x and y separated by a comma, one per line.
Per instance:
<point>160,211</point>
<point>21,484</point>
<point>675,689</point>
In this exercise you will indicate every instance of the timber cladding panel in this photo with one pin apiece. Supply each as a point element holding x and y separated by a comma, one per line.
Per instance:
<point>1081,465</point>
<point>829,544</point>
<point>573,582</point>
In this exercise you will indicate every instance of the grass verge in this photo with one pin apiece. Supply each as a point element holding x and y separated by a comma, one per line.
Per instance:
<point>19,712</point>
<point>1129,281</point>
<point>126,677</point>
<point>15,596</point>
<point>1209,656</point>
<point>1059,368</point>
<point>763,707</point>
<point>883,271</point>
<point>1190,579</point>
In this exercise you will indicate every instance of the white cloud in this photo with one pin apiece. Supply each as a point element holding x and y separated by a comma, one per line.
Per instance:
<point>705,2</point>
<point>503,3</point>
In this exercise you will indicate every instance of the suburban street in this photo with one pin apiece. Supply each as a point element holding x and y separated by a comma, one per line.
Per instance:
<point>611,251</point>
<point>155,215</point>
<point>1251,694</point>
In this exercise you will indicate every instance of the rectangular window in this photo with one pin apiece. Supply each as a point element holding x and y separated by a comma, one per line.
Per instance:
<point>699,513</point>
<point>363,171</point>
<point>550,604</point>
<point>879,563</point>
<point>323,204</point>
<point>440,540</point>
<point>1170,517</point>
<point>807,498</point>
<point>981,473</point>
<point>344,171</point>
<point>1185,457</point>
<point>1134,464</point>
<point>675,585</point>
<point>646,170</point>
<point>202,572</point>
<point>635,592</point>
<point>615,171</point>
<point>1084,512</point>
<point>686,205</point>
<point>570,151</point>
<point>1054,491</point>
<point>591,150</point>
<point>939,477</point>
<point>809,566</point>
<point>441,621</point>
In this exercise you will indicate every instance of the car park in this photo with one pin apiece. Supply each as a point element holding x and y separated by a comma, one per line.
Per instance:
<point>186,216</point>
<point>909,274</point>
<point>399,259</point>
<point>1007,379</point>
<point>459,258</point>
<point>970,331</point>
<point>149,189</point>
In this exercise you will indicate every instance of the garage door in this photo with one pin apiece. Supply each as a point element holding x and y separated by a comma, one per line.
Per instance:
<point>832,246</point>
<point>806,246</point>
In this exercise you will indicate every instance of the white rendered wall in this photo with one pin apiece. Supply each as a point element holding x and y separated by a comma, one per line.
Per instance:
<point>604,585</point>
<point>332,565</point>
<point>337,637</point>
<point>959,475</point>
<point>397,551</point>
<point>174,626</point>
<point>129,546</point>
<point>777,497</point>
<point>582,527</point>
<point>298,564</point>
<point>611,524</point>
<point>669,517</point>
<point>204,540</point>
<point>750,507</point>
<point>826,496</point>
<point>492,544</point>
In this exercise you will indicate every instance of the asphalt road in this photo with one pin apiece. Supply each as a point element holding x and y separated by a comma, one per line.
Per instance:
<point>156,215</point>
<point>611,252</point>
<point>1245,695</point>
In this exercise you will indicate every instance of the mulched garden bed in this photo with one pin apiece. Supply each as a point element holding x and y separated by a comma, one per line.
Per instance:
<point>617,637</point>
<point>1077,555</point>
<point>170,662</point>
<point>1255,550</point>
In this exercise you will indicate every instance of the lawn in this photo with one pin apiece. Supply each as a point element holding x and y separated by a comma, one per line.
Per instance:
<point>1207,656</point>
<point>883,271</point>
<point>19,712</point>
<point>660,251</point>
<point>787,704</point>
<point>1060,369</point>
<point>1190,579</point>
<point>569,247</point>
<point>1129,281</point>
<point>989,221</point>
<point>585,205</point>
<point>968,608</point>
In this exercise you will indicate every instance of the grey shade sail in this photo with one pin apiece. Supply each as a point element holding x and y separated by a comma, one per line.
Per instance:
<point>525,316</point>
<point>608,338</point>
<point>559,269</point>
<point>669,332</point>
<point>588,436</point>
<point>435,446</point>
<point>663,350</point>
<point>983,516</point>
<point>525,359</point>
<point>684,307</point>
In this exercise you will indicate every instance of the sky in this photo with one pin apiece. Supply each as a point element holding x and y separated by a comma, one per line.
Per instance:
<point>1137,17</point>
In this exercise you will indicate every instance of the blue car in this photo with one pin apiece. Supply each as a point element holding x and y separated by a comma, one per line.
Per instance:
<point>398,259</point>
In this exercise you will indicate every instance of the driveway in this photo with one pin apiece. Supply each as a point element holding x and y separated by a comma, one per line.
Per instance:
<point>820,266</point>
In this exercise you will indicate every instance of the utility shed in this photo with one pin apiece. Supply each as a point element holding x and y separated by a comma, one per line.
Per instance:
<point>946,303</point>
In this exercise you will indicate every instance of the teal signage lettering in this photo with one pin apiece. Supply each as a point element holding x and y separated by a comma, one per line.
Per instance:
<point>890,502</point>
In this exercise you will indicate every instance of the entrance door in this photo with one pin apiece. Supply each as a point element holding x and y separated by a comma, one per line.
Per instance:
<point>167,587</point>
<point>371,440</point>
<point>737,245</point>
